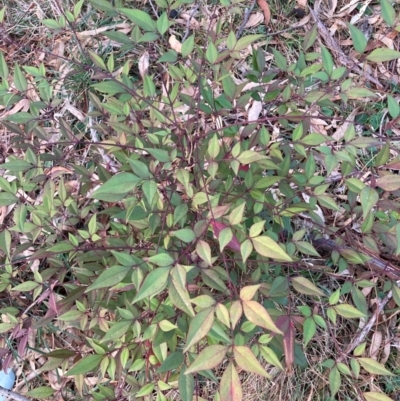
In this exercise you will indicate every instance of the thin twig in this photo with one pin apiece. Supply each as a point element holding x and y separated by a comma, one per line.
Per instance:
<point>195,8</point>
<point>11,394</point>
<point>367,328</point>
<point>247,14</point>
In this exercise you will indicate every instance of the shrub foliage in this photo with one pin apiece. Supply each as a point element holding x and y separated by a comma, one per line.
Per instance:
<point>173,228</point>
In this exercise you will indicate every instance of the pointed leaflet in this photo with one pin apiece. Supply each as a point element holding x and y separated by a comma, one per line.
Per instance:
<point>235,313</point>
<point>209,358</point>
<point>199,327</point>
<point>186,385</point>
<point>230,388</point>
<point>153,284</point>
<point>305,286</point>
<point>247,293</point>
<point>285,324</point>
<point>246,360</point>
<point>116,188</point>
<point>178,292</point>
<point>85,365</point>
<point>218,227</point>
<point>374,367</point>
<point>257,314</point>
<point>204,251</point>
<point>267,247</point>
<point>375,396</point>
<point>110,277</point>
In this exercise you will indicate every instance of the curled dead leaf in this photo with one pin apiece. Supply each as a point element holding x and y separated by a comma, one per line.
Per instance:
<point>267,13</point>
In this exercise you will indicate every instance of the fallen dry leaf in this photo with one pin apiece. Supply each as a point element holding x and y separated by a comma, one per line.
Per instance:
<point>175,44</point>
<point>144,64</point>
<point>254,20</point>
<point>267,13</point>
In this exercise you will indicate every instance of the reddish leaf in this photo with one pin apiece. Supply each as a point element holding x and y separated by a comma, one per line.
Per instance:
<point>285,324</point>
<point>230,388</point>
<point>217,226</point>
<point>267,13</point>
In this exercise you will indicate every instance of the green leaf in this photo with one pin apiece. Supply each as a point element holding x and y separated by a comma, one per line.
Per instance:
<point>369,198</point>
<point>7,199</point>
<point>393,105</point>
<point>3,67</point>
<point>22,117</point>
<point>85,365</point>
<point>109,87</point>
<point>204,252</point>
<point>61,247</point>
<point>148,86</point>
<point>199,327</point>
<point>267,247</point>
<point>359,39</point>
<point>230,388</point>
<point>374,367</point>
<point>20,81</point>
<point>270,356</point>
<point>327,61</point>
<point>309,329</point>
<point>159,154</point>
<point>40,393</point>
<point>188,46</point>
<point>211,53</point>
<point>51,23</point>
<point>25,286</point>
<point>357,93</point>
<point>209,358</point>
<point>161,259</point>
<point>348,311</point>
<point>116,188</point>
<point>375,396</point>
<point>335,381</point>
<point>60,354</point>
<point>257,314</point>
<point>247,361</point>
<point>154,283</point>
<point>163,23</point>
<point>185,235</point>
<point>172,362</point>
<point>250,156</point>
<point>280,60</point>
<point>305,286</point>
<point>140,18</point>
<point>314,139</point>
<point>245,41</point>
<point>178,292</point>
<point>116,331</point>
<point>110,277</point>
<point>381,55</point>
<point>186,385</point>
<point>388,12</point>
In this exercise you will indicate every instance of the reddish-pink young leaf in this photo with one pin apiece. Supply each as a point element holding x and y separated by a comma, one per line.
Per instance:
<point>217,227</point>
<point>285,324</point>
<point>230,387</point>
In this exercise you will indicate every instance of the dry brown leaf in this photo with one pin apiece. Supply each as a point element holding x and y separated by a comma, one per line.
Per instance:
<point>254,20</point>
<point>194,24</point>
<point>267,13</point>
<point>339,133</point>
<point>144,64</point>
<point>376,342</point>
<point>175,44</point>
<point>93,32</point>
<point>57,171</point>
